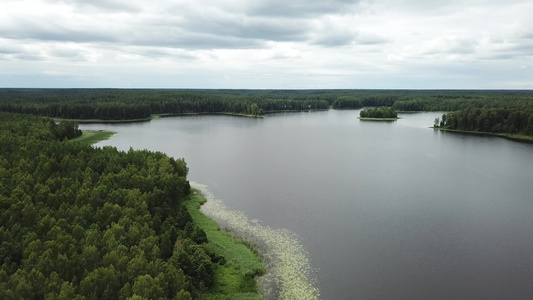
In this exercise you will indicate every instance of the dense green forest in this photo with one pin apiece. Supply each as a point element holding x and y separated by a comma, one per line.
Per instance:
<point>382,112</point>
<point>78,222</point>
<point>129,104</point>
<point>500,111</point>
<point>514,120</point>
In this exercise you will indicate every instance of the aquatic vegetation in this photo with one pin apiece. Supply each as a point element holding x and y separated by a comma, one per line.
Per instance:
<point>289,274</point>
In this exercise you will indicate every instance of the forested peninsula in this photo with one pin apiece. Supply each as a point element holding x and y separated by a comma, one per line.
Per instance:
<point>79,222</point>
<point>514,122</point>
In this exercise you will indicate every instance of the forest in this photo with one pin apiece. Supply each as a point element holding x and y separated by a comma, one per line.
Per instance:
<point>128,104</point>
<point>78,222</point>
<point>502,111</point>
<point>513,120</point>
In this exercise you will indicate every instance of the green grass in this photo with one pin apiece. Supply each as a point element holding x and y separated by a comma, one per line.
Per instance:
<point>92,137</point>
<point>514,137</point>
<point>234,279</point>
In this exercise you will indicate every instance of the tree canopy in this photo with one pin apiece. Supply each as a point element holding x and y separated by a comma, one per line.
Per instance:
<point>514,120</point>
<point>379,113</point>
<point>78,222</point>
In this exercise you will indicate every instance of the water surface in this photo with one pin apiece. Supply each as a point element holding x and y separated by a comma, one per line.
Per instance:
<point>387,210</point>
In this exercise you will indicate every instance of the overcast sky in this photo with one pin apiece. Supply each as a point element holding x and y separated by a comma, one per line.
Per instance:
<point>258,44</point>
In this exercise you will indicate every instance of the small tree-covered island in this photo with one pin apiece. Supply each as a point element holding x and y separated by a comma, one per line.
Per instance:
<point>378,114</point>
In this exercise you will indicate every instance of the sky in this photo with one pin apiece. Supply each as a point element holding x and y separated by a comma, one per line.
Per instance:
<point>267,44</point>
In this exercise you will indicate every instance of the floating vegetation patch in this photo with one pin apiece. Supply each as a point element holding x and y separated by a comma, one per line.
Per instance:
<point>288,271</point>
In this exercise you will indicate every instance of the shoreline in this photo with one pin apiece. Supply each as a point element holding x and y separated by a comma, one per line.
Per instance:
<point>157,116</point>
<point>102,121</point>
<point>167,115</point>
<point>377,119</point>
<point>207,114</point>
<point>93,136</point>
<point>288,272</point>
<point>513,137</point>
<point>235,278</point>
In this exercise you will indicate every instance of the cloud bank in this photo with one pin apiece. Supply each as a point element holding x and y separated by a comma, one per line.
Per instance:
<point>482,44</point>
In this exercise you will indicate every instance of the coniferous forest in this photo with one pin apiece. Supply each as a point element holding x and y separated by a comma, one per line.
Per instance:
<point>78,222</point>
<point>514,120</point>
<point>503,111</point>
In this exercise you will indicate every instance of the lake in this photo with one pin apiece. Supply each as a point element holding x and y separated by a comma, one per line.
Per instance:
<point>386,210</point>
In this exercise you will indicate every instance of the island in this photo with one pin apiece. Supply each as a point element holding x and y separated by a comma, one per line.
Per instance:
<point>382,113</point>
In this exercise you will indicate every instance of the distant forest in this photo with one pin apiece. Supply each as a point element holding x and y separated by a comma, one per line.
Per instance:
<point>490,111</point>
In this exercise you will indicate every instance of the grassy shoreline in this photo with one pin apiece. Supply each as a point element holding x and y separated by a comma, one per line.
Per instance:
<point>93,136</point>
<point>236,278</point>
<point>514,137</point>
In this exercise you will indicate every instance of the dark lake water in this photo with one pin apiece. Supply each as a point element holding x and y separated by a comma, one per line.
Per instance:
<point>387,210</point>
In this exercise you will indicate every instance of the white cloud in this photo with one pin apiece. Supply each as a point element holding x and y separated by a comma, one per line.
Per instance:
<point>266,43</point>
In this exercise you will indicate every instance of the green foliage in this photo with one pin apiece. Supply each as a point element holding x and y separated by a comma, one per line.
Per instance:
<point>238,265</point>
<point>114,104</point>
<point>66,130</point>
<point>123,104</point>
<point>183,295</point>
<point>78,222</point>
<point>512,120</point>
<point>379,113</point>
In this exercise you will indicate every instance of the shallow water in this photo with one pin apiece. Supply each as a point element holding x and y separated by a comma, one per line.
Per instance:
<point>386,210</point>
<point>289,274</point>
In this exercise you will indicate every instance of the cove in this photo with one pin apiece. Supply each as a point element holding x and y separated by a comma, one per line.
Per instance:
<point>386,210</point>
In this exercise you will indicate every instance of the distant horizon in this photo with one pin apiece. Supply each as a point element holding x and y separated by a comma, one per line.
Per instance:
<point>262,89</point>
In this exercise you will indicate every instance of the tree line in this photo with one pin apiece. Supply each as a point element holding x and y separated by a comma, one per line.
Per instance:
<point>514,120</point>
<point>78,222</point>
<point>129,104</point>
